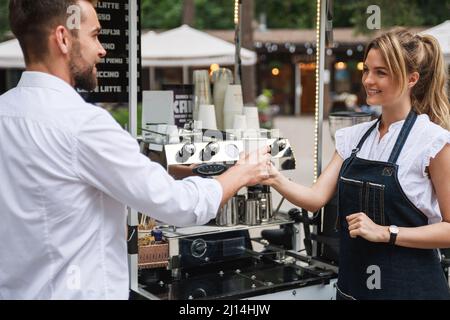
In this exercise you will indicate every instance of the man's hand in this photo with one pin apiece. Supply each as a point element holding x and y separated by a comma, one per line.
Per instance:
<point>255,166</point>
<point>249,170</point>
<point>359,224</point>
<point>180,171</point>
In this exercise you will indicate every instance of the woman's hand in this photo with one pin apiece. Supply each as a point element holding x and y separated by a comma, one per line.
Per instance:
<point>249,170</point>
<point>274,178</point>
<point>359,224</point>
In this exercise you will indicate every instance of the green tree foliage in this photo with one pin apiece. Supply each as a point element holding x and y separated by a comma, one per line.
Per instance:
<point>434,12</point>
<point>393,13</point>
<point>352,13</point>
<point>400,13</point>
<point>4,21</point>
<point>217,14</point>
<point>157,14</point>
<point>287,13</point>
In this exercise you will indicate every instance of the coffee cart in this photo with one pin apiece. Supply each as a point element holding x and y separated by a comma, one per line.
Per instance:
<point>256,253</point>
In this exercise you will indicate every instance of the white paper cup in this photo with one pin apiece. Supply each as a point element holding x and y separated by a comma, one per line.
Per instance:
<point>233,97</point>
<point>252,117</point>
<point>173,134</point>
<point>198,125</point>
<point>251,111</point>
<point>240,122</point>
<point>233,104</point>
<point>207,115</point>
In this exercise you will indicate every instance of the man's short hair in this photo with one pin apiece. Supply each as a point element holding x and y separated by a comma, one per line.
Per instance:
<point>31,21</point>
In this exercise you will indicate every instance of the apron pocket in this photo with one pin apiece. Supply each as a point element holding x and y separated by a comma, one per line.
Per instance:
<point>350,197</point>
<point>374,203</point>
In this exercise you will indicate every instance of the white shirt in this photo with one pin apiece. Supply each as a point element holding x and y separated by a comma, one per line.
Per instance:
<point>66,171</point>
<point>424,142</point>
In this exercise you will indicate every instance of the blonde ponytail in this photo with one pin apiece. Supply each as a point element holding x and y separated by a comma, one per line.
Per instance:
<point>429,95</point>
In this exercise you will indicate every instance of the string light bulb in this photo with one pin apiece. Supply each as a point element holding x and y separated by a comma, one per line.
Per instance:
<point>360,66</point>
<point>316,115</point>
<point>236,11</point>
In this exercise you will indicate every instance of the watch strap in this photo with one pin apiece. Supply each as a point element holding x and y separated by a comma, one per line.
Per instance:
<point>392,238</point>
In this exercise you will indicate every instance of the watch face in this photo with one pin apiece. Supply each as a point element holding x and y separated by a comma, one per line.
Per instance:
<point>393,229</point>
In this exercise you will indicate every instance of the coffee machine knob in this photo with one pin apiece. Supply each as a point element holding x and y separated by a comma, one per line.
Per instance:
<point>198,248</point>
<point>232,151</point>
<point>278,146</point>
<point>210,151</point>
<point>186,152</point>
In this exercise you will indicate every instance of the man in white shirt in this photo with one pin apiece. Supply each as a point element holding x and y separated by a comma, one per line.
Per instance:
<point>68,169</point>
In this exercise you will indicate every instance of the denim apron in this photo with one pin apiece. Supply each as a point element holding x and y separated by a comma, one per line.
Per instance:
<point>369,270</point>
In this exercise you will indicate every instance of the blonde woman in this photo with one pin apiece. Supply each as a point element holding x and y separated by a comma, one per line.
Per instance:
<point>392,176</point>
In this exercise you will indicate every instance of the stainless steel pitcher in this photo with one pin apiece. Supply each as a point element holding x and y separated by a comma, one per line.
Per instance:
<point>229,214</point>
<point>265,203</point>
<point>252,215</point>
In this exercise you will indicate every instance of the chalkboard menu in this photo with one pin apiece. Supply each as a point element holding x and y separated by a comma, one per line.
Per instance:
<point>183,100</point>
<point>112,71</point>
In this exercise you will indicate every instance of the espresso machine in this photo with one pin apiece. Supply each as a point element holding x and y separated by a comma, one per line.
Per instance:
<point>249,250</point>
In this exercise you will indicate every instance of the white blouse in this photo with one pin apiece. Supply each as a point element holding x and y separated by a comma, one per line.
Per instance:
<point>424,142</point>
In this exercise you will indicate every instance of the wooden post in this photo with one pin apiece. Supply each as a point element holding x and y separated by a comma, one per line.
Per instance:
<point>248,72</point>
<point>189,12</point>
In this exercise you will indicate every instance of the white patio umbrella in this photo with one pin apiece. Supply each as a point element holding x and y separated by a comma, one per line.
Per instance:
<point>11,56</point>
<point>442,33</point>
<point>185,46</point>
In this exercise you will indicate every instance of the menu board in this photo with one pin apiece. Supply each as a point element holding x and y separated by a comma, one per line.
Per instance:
<point>113,69</point>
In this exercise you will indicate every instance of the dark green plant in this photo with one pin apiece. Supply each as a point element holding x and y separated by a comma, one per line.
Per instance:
<point>120,114</point>
<point>157,14</point>
<point>4,21</point>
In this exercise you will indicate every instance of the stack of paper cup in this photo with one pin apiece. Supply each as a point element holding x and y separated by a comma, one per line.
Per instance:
<point>239,125</point>
<point>202,91</point>
<point>207,115</point>
<point>252,117</point>
<point>240,122</point>
<point>233,104</point>
<point>252,122</point>
<point>221,79</point>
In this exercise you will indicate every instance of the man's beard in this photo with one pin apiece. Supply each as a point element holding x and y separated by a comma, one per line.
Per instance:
<point>82,73</point>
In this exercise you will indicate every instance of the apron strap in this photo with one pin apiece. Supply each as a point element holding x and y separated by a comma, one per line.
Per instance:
<point>403,135</point>
<point>363,139</point>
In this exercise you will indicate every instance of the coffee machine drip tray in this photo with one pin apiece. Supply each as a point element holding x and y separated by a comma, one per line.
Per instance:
<point>231,264</point>
<point>246,279</point>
